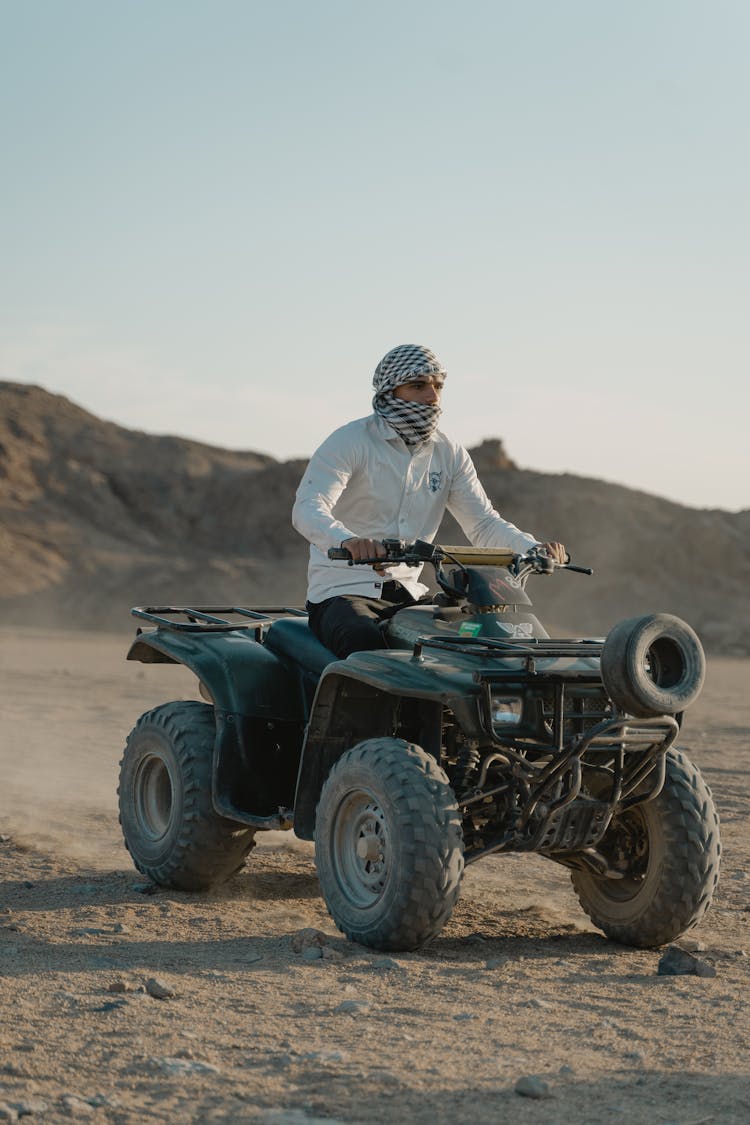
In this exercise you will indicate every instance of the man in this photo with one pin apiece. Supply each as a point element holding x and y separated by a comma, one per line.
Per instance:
<point>390,475</point>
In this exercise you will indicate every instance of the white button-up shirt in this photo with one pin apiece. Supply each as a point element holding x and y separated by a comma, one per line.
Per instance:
<point>365,482</point>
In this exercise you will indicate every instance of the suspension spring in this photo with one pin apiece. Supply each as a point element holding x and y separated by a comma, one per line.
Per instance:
<point>465,769</point>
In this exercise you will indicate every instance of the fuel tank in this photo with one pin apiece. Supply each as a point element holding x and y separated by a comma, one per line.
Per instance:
<point>408,625</point>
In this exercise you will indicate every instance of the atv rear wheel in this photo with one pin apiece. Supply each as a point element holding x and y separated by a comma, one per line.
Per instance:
<point>388,845</point>
<point>668,852</point>
<point>170,827</point>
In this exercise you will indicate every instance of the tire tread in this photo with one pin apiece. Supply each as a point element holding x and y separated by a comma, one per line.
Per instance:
<point>208,849</point>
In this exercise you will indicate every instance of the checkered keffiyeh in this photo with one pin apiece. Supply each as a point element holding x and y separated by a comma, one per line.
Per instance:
<point>415,422</point>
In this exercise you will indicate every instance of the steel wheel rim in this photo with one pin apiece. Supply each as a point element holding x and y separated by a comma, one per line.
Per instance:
<point>153,797</point>
<point>360,848</point>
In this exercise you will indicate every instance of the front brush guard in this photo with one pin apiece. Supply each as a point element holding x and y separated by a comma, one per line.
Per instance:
<point>556,825</point>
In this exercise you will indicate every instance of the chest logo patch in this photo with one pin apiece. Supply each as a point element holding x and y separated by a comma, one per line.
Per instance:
<point>435,481</point>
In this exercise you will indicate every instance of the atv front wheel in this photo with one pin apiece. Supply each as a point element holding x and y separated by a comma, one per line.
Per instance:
<point>667,852</point>
<point>388,845</point>
<point>170,827</point>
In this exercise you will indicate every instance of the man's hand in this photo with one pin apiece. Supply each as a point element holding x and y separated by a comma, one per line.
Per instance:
<point>557,552</point>
<point>366,549</point>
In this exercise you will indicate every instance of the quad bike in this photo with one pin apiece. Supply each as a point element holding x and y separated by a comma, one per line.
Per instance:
<point>472,733</point>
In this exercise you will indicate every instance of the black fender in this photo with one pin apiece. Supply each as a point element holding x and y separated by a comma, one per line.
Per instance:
<point>241,675</point>
<point>363,697</point>
<point>260,713</point>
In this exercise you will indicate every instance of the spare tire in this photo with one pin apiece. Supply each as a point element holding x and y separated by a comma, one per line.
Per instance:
<point>653,665</point>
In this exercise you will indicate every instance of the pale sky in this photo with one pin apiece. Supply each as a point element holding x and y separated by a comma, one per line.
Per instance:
<point>217,217</point>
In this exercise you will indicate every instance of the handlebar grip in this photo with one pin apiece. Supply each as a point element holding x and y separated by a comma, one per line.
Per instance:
<point>578,569</point>
<point>339,553</point>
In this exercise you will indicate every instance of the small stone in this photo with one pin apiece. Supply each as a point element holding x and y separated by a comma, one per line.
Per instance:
<point>76,1107</point>
<point>29,1107</point>
<point>693,945</point>
<point>4,839</point>
<point>496,963</point>
<point>104,1100</point>
<point>180,1067</point>
<point>326,1056</point>
<point>307,937</point>
<point>312,953</point>
<point>354,1007</point>
<point>531,1086</point>
<point>536,1003</point>
<point>566,1071</point>
<point>464,1016</point>
<point>385,964</point>
<point>86,931</point>
<point>117,986</point>
<point>118,928</point>
<point>159,989</point>
<point>678,962</point>
<point>331,954</point>
<point>28,884</point>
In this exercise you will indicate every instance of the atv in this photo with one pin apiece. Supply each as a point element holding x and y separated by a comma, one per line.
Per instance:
<point>471,733</point>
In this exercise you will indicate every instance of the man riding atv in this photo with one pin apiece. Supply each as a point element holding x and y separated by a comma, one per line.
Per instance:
<point>392,474</point>
<point>452,731</point>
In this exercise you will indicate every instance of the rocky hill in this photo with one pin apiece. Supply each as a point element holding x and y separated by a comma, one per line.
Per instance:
<point>95,518</point>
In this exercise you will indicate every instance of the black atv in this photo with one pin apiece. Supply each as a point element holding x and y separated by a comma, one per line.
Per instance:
<point>472,733</point>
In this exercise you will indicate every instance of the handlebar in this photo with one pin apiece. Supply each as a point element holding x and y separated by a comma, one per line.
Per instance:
<point>415,554</point>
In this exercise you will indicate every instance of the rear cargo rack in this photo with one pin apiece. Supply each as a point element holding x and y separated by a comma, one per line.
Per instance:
<point>205,619</point>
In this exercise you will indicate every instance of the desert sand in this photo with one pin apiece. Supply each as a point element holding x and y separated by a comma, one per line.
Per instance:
<point>253,1025</point>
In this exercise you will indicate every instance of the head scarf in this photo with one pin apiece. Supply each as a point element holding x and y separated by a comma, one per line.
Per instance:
<point>415,422</point>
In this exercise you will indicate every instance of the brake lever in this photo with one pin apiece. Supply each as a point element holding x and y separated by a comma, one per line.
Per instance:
<point>545,564</point>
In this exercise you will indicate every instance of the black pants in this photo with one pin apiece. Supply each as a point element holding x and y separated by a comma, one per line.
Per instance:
<point>351,623</point>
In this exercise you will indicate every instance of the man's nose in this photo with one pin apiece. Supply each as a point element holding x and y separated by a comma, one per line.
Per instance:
<point>431,393</point>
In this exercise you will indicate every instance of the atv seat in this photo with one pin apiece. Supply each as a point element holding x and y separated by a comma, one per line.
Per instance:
<point>291,639</point>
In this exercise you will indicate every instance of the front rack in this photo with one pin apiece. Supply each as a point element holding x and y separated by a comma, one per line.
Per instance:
<point>527,647</point>
<point>204,619</point>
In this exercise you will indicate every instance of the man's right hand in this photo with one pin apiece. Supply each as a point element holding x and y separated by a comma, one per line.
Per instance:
<point>364,548</point>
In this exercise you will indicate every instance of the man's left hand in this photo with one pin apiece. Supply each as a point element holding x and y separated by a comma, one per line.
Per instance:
<point>557,552</point>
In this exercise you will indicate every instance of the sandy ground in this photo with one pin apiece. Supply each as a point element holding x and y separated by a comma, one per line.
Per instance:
<point>519,984</point>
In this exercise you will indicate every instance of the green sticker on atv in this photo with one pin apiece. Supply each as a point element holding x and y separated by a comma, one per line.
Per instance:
<point>470,629</point>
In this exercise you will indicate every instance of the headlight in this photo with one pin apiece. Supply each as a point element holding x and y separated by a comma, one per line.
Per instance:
<point>505,711</point>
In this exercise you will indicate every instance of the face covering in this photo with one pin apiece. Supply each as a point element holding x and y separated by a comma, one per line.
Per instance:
<point>414,422</point>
